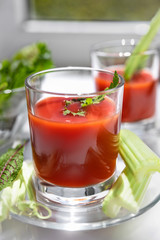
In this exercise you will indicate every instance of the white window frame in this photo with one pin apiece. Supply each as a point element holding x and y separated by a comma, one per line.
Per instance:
<point>74,27</point>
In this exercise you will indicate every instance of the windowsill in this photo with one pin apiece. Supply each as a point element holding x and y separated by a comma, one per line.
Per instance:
<point>47,26</point>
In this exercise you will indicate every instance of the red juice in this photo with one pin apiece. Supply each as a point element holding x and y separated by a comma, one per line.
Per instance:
<point>74,151</point>
<point>139,99</point>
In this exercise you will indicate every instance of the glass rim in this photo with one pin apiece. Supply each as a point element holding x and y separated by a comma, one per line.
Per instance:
<point>14,90</point>
<point>128,42</point>
<point>108,91</point>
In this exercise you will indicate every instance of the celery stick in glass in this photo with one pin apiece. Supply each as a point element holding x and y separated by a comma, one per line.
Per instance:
<point>137,58</point>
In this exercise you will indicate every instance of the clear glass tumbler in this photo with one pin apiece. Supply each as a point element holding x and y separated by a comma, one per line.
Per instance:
<point>140,91</point>
<point>74,131</point>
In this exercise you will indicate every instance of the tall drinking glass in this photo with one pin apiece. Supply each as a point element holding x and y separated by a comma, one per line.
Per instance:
<point>74,131</point>
<point>140,92</point>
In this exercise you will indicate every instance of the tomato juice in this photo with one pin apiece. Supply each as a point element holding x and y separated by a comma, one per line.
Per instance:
<point>74,151</point>
<point>139,99</point>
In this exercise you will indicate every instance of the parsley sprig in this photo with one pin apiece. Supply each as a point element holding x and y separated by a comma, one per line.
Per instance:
<point>79,113</point>
<point>84,102</point>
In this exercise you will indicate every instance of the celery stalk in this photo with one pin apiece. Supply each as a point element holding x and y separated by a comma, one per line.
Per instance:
<point>12,194</point>
<point>131,191</point>
<point>136,58</point>
<point>126,192</point>
<point>5,202</point>
<point>130,187</point>
<point>27,173</point>
<point>110,206</point>
<point>137,155</point>
<point>4,211</point>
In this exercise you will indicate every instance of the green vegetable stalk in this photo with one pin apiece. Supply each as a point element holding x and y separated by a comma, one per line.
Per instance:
<point>130,187</point>
<point>127,192</point>
<point>137,57</point>
<point>138,157</point>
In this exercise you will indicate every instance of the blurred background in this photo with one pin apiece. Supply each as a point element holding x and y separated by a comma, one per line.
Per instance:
<point>71,27</point>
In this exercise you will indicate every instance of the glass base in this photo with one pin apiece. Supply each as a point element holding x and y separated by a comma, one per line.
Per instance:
<point>65,197</point>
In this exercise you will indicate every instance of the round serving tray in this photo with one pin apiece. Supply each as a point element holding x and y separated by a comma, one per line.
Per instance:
<point>91,217</point>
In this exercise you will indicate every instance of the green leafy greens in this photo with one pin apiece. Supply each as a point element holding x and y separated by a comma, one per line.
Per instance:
<point>13,72</point>
<point>28,60</point>
<point>84,102</point>
<point>137,58</point>
<point>16,184</point>
<point>10,165</point>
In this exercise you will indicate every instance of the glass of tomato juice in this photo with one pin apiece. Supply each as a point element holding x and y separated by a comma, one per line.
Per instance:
<point>74,132</point>
<point>139,100</point>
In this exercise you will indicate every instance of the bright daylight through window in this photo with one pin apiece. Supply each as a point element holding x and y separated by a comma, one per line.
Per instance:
<point>93,10</point>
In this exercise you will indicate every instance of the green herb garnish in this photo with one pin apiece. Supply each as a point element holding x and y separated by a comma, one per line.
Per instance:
<point>115,81</point>
<point>137,59</point>
<point>79,113</point>
<point>99,98</point>
<point>84,102</point>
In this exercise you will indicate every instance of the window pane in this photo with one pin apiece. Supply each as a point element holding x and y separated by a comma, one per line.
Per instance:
<point>93,10</point>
